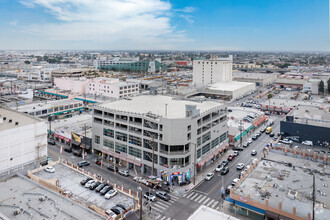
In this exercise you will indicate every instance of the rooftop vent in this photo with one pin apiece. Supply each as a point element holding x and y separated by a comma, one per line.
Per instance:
<point>4,118</point>
<point>16,123</point>
<point>10,120</point>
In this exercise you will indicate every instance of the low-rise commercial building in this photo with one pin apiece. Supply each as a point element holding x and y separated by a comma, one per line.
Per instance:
<point>67,73</point>
<point>160,133</point>
<point>260,79</point>
<point>23,140</point>
<point>73,85</point>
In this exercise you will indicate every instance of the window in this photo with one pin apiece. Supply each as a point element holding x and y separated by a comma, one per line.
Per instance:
<point>199,153</point>
<point>199,141</point>
<point>108,132</point>
<point>97,139</point>
<point>189,128</point>
<point>121,148</point>
<point>121,136</point>
<point>206,137</point>
<point>188,136</point>
<point>108,143</point>
<point>150,144</point>
<point>135,152</point>
<point>135,140</point>
<point>223,137</point>
<point>215,142</point>
<point>205,149</point>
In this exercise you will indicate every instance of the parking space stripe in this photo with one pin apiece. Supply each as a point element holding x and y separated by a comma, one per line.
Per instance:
<point>190,195</point>
<point>192,198</point>
<point>216,202</point>
<point>206,200</point>
<point>197,198</point>
<point>202,199</point>
<point>210,202</point>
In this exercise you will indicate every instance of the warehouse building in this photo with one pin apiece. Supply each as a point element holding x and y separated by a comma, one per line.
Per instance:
<point>160,134</point>
<point>260,79</point>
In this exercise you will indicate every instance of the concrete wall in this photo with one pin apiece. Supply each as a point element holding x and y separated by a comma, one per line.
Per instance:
<point>306,132</point>
<point>75,86</point>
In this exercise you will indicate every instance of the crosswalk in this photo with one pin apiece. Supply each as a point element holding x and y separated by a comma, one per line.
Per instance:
<point>160,206</point>
<point>202,199</point>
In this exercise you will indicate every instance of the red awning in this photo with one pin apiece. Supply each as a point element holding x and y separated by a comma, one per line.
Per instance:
<point>260,121</point>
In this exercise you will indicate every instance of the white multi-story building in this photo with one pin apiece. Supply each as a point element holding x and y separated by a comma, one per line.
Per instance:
<point>74,85</point>
<point>104,61</point>
<point>23,140</point>
<point>110,87</point>
<point>131,131</point>
<point>211,71</point>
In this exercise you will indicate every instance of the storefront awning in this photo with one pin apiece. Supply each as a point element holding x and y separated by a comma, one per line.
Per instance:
<point>245,206</point>
<point>243,133</point>
<point>74,142</point>
<point>260,120</point>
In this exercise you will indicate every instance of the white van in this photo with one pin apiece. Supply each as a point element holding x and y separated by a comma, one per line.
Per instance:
<point>308,143</point>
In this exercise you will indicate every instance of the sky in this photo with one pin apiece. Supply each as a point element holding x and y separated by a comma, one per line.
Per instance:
<point>242,25</point>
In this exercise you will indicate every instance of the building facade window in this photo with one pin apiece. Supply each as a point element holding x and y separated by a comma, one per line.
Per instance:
<point>135,152</point>
<point>97,139</point>
<point>109,132</point>
<point>121,148</point>
<point>108,143</point>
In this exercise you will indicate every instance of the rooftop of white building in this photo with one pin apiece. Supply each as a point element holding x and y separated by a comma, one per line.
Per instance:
<point>22,119</point>
<point>228,86</point>
<point>204,212</point>
<point>47,104</point>
<point>245,75</point>
<point>164,106</point>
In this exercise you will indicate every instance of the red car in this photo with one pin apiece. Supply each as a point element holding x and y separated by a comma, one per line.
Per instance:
<point>231,157</point>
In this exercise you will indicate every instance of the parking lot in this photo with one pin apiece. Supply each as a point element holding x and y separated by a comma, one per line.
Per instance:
<point>69,180</point>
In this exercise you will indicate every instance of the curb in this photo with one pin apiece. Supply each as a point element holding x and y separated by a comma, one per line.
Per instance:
<point>196,186</point>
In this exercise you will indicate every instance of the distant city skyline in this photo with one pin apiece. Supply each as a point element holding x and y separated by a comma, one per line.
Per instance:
<point>232,25</point>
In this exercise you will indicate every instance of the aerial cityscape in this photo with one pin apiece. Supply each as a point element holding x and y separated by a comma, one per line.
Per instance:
<point>164,110</point>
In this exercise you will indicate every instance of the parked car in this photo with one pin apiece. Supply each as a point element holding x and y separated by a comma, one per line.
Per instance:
<point>50,169</point>
<point>224,163</point>
<point>209,176</point>
<point>117,210</point>
<point>227,191</point>
<point>219,168</point>
<point>254,137</point>
<point>263,129</point>
<point>111,214</point>
<point>68,149</point>
<point>100,187</point>
<point>83,163</point>
<point>258,134</point>
<point>246,144</point>
<point>105,190</point>
<point>77,153</point>
<point>112,168</point>
<point>89,183</point>
<point>51,142</point>
<point>254,152</point>
<point>163,195</point>
<point>286,141</point>
<point>250,141</point>
<point>110,194</point>
<point>235,181</point>
<point>224,171</point>
<point>308,143</point>
<point>238,148</point>
<point>98,162</point>
<point>140,179</point>
<point>84,181</point>
<point>271,135</point>
<point>240,166</point>
<point>94,185</point>
<point>124,172</point>
<point>236,153</point>
<point>123,206</point>
<point>231,157</point>
<point>149,196</point>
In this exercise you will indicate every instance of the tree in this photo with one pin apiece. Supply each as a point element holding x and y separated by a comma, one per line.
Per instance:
<point>328,85</point>
<point>27,62</point>
<point>269,95</point>
<point>321,87</point>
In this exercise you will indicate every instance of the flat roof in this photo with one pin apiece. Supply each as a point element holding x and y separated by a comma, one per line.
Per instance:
<point>247,75</point>
<point>311,115</point>
<point>291,81</point>
<point>158,105</point>
<point>22,193</point>
<point>204,212</point>
<point>275,181</point>
<point>228,86</point>
<point>47,104</point>
<point>15,116</point>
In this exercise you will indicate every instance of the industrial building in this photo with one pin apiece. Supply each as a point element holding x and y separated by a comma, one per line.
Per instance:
<point>23,140</point>
<point>131,131</point>
<point>309,123</point>
<point>282,187</point>
<point>260,79</point>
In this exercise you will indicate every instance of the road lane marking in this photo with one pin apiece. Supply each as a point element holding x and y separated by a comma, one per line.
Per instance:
<point>216,202</point>
<point>171,201</point>
<point>190,195</point>
<point>163,218</point>
<point>164,208</point>
<point>200,192</point>
<point>176,197</point>
<point>196,194</point>
<point>169,218</point>
<point>158,210</point>
<point>210,202</point>
<point>197,198</point>
<point>202,199</point>
<point>206,200</point>
<point>214,188</point>
<point>164,204</point>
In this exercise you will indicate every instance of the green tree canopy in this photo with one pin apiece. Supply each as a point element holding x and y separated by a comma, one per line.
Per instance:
<point>321,87</point>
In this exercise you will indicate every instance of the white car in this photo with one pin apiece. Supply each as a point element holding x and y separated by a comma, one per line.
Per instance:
<point>235,181</point>
<point>219,168</point>
<point>240,166</point>
<point>89,183</point>
<point>110,194</point>
<point>250,141</point>
<point>308,143</point>
<point>149,196</point>
<point>111,214</point>
<point>50,169</point>
<point>209,176</point>
<point>140,179</point>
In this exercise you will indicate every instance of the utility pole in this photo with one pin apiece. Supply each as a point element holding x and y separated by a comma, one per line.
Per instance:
<point>313,197</point>
<point>241,128</point>
<point>50,126</point>
<point>153,156</point>
<point>84,142</point>
<point>140,189</point>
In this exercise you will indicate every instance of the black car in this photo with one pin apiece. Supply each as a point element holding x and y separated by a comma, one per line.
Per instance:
<point>224,171</point>
<point>83,163</point>
<point>94,185</point>
<point>117,210</point>
<point>254,137</point>
<point>123,206</point>
<point>163,195</point>
<point>83,182</point>
<point>238,148</point>
<point>77,153</point>
<point>112,168</point>
<point>51,142</point>
<point>271,135</point>
<point>224,163</point>
<point>69,150</point>
<point>100,187</point>
<point>105,190</point>
<point>228,189</point>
